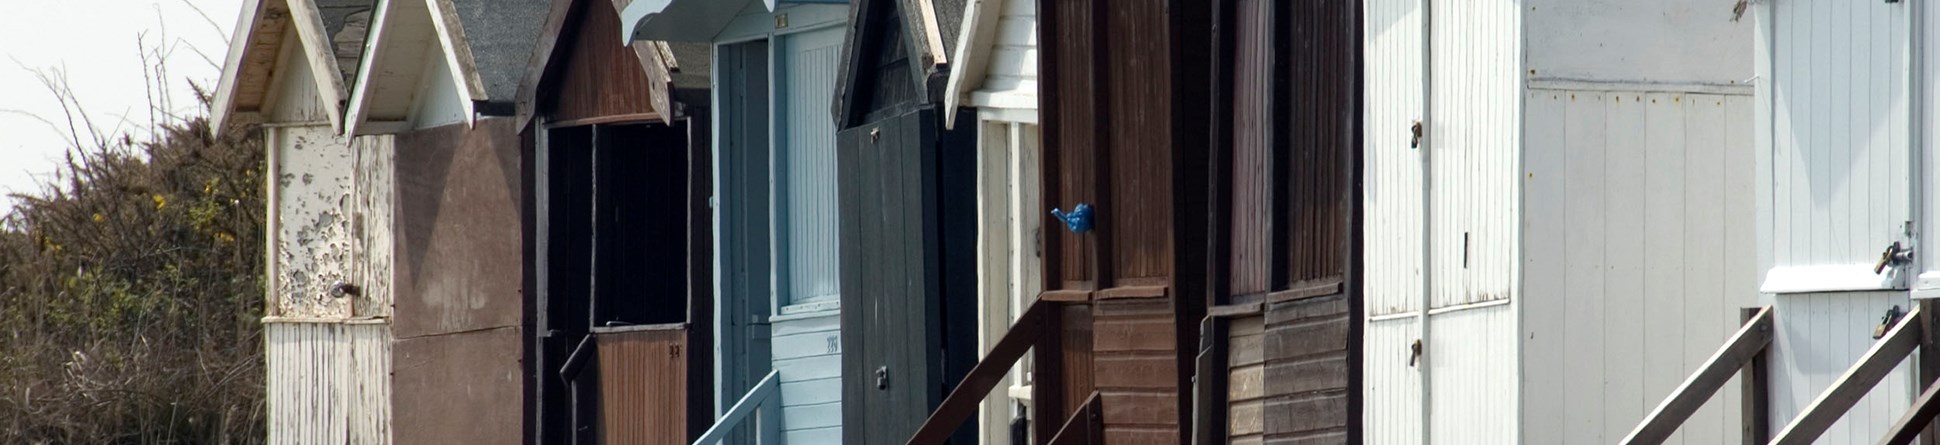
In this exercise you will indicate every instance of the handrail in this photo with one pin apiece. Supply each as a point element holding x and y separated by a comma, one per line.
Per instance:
<point>1916,418</point>
<point>1745,345</point>
<point>962,401</point>
<point>1092,413</point>
<point>765,394</point>
<point>1845,392</point>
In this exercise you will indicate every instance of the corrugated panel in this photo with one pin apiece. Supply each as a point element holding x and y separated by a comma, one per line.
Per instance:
<point>315,243</point>
<point>1139,111</point>
<point>1254,151</point>
<point>1820,336</point>
<point>1637,256</point>
<point>1392,200</point>
<point>1393,193</point>
<point>599,77</point>
<point>643,387</point>
<point>1474,143</point>
<point>1321,138</point>
<point>328,383</point>
<point>1839,132</point>
<point>806,144</point>
<point>1391,389</point>
<point>808,356</point>
<point>1472,357</point>
<point>1072,104</point>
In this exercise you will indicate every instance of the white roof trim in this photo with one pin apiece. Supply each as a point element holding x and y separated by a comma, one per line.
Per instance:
<point>314,45</point>
<point>980,20</point>
<point>450,34</point>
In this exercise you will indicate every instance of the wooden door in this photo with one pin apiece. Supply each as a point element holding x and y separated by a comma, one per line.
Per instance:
<point>1287,132</point>
<point>890,325</point>
<point>643,387</point>
<point>1127,141</point>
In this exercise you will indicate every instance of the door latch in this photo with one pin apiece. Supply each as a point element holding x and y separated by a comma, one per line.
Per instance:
<point>1416,142</point>
<point>882,377</point>
<point>1893,256</point>
<point>1416,355</point>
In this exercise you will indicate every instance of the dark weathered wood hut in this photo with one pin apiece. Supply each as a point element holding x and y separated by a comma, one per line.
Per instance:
<point>1280,358</point>
<point>908,234</point>
<point>1123,104</point>
<point>622,256</point>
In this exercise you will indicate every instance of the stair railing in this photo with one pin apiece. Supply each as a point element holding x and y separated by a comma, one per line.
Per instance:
<point>763,402</point>
<point>1746,347</point>
<point>1038,323</point>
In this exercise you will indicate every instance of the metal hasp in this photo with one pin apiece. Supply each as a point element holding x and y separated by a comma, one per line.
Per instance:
<point>1079,220</point>
<point>1894,255</point>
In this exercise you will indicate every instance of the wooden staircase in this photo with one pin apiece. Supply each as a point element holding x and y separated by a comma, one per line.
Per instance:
<point>1745,354</point>
<point>1038,327</point>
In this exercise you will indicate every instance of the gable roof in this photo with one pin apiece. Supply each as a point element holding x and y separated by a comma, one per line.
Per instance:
<point>324,30</point>
<point>923,23</point>
<point>676,73</point>
<point>483,41</point>
<point>981,35</point>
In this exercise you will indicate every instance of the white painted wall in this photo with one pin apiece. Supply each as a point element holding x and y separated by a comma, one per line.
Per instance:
<point>1639,249</point>
<point>1393,207</point>
<point>1638,41</point>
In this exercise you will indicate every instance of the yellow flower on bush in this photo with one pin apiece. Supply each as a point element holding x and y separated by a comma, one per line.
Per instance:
<point>160,202</point>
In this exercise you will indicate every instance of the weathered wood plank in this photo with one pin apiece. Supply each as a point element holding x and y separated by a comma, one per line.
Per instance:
<point>1741,348</point>
<point>1924,410</point>
<point>962,401</point>
<point>1832,404</point>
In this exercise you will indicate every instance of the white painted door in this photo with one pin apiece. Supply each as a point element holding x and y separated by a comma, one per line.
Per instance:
<point>1393,205</point>
<point>1442,230</point>
<point>1841,143</point>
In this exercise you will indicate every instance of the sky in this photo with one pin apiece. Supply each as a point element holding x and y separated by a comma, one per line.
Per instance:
<point>97,43</point>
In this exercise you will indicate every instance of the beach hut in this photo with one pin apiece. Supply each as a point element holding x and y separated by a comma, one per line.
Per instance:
<point>993,76</point>
<point>435,89</point>
<point>1279,354</point>
<point>329,282</point>
<point>1560,218</point>
<point>778,281</point>
<point>620,228</point>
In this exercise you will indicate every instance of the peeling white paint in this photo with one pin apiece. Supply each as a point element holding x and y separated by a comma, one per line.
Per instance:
<point>315,244</point>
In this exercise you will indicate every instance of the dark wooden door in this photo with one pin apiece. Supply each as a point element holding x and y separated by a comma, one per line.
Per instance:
<point>1125,119</point>
<point>885,317</point>
<point>906,252</point>
<point>1285,164</point>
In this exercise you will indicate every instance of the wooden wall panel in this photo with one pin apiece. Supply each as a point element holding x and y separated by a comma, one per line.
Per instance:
<point>643,387</point>
<point>1136,215</point>
<point>1305,352</point>
<point>1253,220</point>
<point>599,78</point>
<point>1321,121</point>
<point>458,255</point>
<point>1071,116</point>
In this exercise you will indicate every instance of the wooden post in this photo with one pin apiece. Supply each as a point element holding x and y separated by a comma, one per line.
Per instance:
<point>1743,347</point>
<point>1047,379</point>
<point>1929,364</point>
<point>1756,406</point>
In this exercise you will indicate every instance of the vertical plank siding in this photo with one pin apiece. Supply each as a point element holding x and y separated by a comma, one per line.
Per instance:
<point>1393,202</point>
<point>1125,138</point>
<point>328,383</point>
<point>1839,132</point>
<point>1290,97</point>
<point>1636,308</point>
<point>1821,335</point>
<point>805,147</point>
<point>598,77</point>
<point>643,387</point>
<point>315,243</point>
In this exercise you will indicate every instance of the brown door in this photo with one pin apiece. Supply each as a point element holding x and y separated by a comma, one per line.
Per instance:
<point>643,384</point>
<point>1124,119</point>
